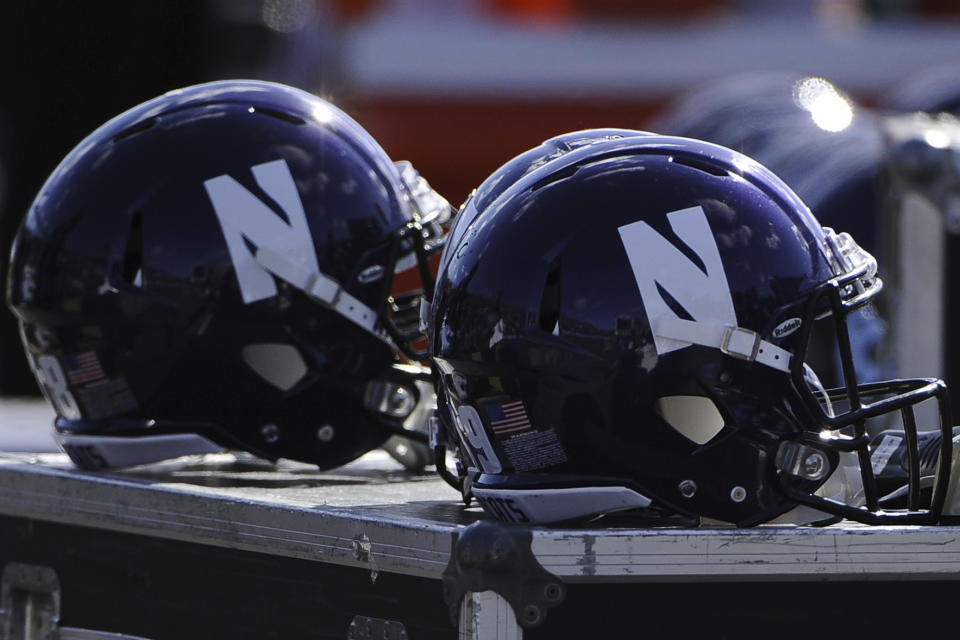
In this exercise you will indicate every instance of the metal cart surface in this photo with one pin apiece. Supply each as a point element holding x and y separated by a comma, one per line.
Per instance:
<point>231,546</point>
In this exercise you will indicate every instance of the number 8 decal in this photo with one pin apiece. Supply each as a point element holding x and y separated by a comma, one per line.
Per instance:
<point>54,383</point>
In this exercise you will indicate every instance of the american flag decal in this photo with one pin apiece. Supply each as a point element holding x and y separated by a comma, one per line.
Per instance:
<point>83,368</point>
<point>508,418</point>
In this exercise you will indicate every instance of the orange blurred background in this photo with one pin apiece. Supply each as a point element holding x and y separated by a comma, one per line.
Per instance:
<point>455,86</point>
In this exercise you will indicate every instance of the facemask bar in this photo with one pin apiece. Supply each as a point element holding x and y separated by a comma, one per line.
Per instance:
<point>411,234</point>
<point>445,437</point>
<point>864,402</point>
<point>430,213</point>
<point>404,399</point>
<point>427,206</point>
<point>441,435</point>
<point>855,268</point>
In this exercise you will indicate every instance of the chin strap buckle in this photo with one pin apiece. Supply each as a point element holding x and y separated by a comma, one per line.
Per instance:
<point>740,343</point>
<point>736,342</point>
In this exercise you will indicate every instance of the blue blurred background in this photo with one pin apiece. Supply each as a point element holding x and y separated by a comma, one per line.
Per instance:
<point>455,86</point>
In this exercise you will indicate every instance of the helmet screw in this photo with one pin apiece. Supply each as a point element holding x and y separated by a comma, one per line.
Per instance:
<point>738,494</point>
<point>399,397</point>
<point>325,433</point>
<point>270,433</point>
<point>531,613</point>
<point>814,465</point>
<point>553,592</point>
<point>687,488</point>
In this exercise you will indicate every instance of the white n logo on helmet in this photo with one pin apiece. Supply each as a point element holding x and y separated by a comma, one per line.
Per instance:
<point>656,261</point>
<point>281,249</point>
<point>703,292</point>
<point>244,217</point>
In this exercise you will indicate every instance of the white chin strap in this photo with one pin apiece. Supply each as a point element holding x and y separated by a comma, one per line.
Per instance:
<point>736,342</point>
<point>321,287</point>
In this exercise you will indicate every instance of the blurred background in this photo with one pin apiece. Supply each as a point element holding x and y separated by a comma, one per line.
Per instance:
<point>458,86</point>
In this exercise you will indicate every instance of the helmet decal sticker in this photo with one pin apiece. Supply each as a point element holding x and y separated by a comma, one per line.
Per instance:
<point>370,274</point>
<point>243,217</point>
<point>470,426</point>
<point>98,395</point>
<point>506,509</point>
<point>785,328</point>
<point>508,418</point>
<point>53,382</point>
<point>533,450</point>
<point>526,447</point>
<point>106,398</point>
<point>83,368</point>
<point>656,262</point>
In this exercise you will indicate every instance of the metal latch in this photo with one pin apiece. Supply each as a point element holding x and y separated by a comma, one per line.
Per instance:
<point>30,607</point>
<point>29,602</point>
<point>491,556</point>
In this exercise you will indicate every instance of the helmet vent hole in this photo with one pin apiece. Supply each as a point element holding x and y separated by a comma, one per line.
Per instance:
<point>133,253</point>
<point>549,317</point>
<point>133,130</point>
<point>562,174</point>
<point>279,115</point>
<point>700,165</point>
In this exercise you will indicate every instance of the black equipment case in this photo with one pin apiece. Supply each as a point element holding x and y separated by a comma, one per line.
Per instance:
<point>222,546</point>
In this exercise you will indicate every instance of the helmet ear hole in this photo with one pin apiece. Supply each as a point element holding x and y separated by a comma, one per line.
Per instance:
<point>281,365</point>
<point>550,301</point>
<point>694,417</point>
<point>133,252</point>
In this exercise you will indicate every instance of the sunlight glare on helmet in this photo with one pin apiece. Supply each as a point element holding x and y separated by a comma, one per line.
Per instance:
<point>829,110</point>
<point>322,113</point>
<point>936,139</point>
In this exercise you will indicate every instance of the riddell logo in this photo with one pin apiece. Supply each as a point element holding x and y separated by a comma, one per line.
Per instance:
<point>786,327</point>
